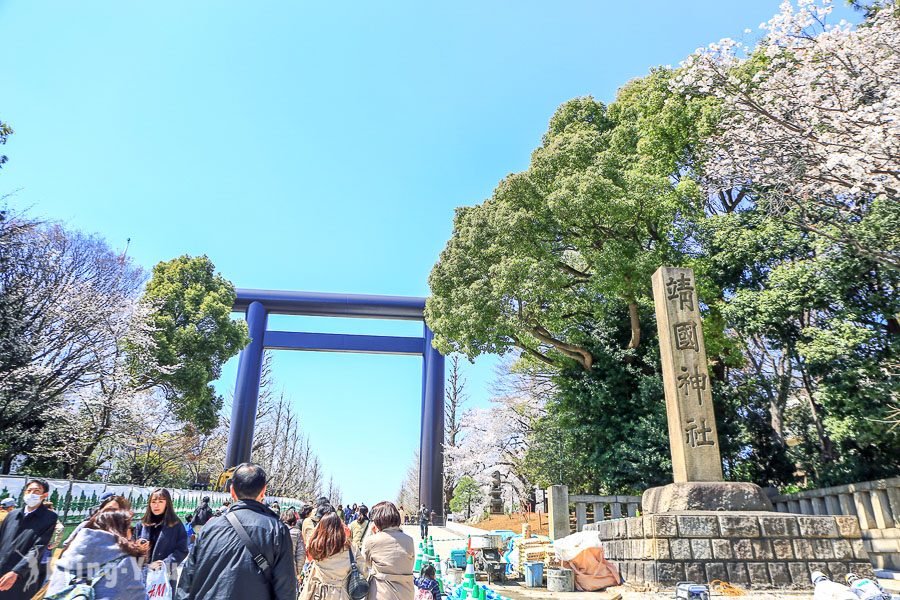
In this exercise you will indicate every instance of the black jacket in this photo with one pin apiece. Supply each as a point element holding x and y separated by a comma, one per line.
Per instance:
<point>219,566</point>
<point>22,542</point>
<point>171,546</point>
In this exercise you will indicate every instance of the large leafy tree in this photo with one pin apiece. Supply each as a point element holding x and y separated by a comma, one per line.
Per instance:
<point>563,245</point>
<point>195,335</point>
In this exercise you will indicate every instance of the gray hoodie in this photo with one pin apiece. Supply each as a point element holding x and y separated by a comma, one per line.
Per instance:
<point>90,549</point>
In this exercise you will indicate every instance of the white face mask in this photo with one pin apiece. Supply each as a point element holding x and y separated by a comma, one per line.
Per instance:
<point>32,500</point>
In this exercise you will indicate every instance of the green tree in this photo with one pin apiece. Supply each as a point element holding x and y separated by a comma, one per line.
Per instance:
<point>195,335</point>
<point>567,243</point>
<point>818,326</point>
<point>466,492</point>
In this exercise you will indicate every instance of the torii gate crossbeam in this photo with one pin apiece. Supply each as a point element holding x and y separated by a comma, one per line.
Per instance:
<point>258,304</point>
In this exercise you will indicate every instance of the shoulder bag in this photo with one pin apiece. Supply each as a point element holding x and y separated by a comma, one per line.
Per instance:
<point>357,586</point>
<point>251,546</point>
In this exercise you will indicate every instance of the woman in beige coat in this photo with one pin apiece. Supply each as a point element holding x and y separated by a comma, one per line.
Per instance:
<point>388,556</point>
<point>329,549</point>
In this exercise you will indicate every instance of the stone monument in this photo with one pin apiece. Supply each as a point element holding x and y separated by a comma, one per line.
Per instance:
<point>693,440</point>
<point>700,528</point>
<point>496,504</point>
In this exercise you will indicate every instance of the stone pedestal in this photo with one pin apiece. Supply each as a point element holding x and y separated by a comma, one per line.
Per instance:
<point>758,550</point>
<point>705,495</point>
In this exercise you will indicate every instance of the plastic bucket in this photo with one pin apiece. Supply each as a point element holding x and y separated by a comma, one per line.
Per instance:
<point>453,576</point>
<point>534,574</point>
<point>560,580</point>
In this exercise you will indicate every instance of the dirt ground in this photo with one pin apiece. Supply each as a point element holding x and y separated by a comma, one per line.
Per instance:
<point>514,522</point>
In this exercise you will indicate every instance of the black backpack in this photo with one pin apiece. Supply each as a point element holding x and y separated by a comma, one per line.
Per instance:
<point>202,514</point>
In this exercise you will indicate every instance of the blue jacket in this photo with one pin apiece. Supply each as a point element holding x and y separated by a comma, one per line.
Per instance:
<point>89,550</point>
<point>171,545</point>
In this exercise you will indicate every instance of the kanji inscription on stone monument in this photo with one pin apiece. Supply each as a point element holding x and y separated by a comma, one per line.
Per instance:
<point>689,409</point>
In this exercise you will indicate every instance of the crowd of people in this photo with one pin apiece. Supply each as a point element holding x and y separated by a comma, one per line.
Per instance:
<point>243,549</point>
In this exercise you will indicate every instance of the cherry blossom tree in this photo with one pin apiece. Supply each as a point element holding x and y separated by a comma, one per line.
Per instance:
<point>810,118</point>
<point>65,300</point>
<point>497,438</point>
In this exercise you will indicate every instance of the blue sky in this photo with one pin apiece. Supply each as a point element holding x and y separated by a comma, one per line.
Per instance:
<point>314,146</point>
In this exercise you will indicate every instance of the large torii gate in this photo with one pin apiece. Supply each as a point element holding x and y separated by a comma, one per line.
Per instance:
<point>258,304</point>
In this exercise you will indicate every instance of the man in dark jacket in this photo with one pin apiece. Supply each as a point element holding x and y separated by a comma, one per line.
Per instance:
<point>24,534</point>
<point>202,515</point>
<point>221,566</point>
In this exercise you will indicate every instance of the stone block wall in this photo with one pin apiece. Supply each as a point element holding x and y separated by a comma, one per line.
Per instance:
<point>761,550</point>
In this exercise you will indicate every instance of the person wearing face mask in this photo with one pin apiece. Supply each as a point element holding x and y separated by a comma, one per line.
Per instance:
<point>24,534</point>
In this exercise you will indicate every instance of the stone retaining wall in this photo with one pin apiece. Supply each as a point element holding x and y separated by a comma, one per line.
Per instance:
<point>757,550</point>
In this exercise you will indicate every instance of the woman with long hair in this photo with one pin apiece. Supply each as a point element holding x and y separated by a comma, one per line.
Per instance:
<point>166,538</point>
<point>329,549</point>
<point>388,556</point>
<point>110,502</point>
<point>103,549</point>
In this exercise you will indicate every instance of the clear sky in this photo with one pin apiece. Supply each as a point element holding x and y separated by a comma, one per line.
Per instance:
<point>314,146</point>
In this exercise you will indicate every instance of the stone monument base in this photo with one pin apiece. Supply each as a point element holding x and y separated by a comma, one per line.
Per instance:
<point>757,550</point>
<point>705,495</point>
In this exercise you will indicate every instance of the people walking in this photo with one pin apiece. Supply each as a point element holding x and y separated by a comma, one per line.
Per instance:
<point>24,534</point>
<point>359,528</point>
<point>302,516</point>
<point>247,555</point>
<point>167,540</point>
<point>189,529</point>
<point>202,515</point>
<point>103,556</point>
<point>329,548</point>
<point>389,556</point>
<point>7,505</point>
<point>424,518</point>
<point>292,520</point>
<point>403,515</point>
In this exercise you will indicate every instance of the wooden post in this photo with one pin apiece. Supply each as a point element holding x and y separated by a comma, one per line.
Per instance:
<point>693,439</point>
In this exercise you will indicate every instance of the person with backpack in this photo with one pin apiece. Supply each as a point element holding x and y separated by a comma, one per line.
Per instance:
<point>246,554</point>
<point>360,527</point>
<point>101,563</point>
<point>202,515</point>
<point>427,587</point>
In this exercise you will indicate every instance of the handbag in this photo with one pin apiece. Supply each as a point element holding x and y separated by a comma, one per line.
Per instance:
<point>357,586</point>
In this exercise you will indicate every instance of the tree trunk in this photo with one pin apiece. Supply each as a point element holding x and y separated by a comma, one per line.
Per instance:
<point>826,447</point>
<point>635,325</point>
